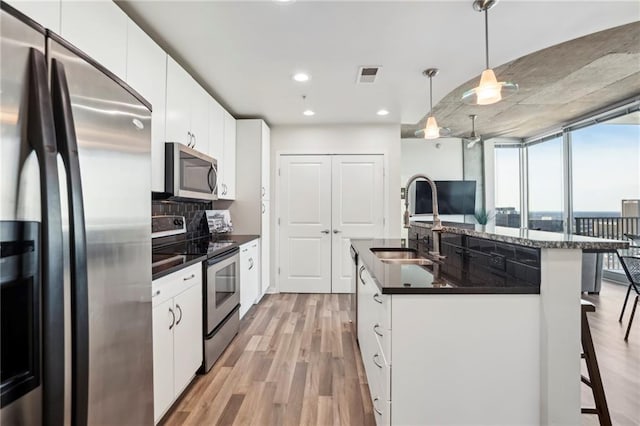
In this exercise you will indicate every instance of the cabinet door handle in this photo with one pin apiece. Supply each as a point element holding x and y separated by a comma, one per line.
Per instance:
<point>325,231</point>
<point>375,357</point>
<point>250,263</point>
<point>173,319</point>
<point>336,231</point>
<point>189,139</point>
<point>195,140</point>
<point>180,309</point>
<point>263,208</point>
<point>376,297</point>
<point>263,191</point>
<point>190,277</point>
<point>378,412</point>
<point>360,274</point>
<point>375,329</point>
<point>156,293</point>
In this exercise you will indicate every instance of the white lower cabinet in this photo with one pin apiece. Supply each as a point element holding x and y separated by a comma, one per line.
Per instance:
<point>434,359</point>
<point>249,275</point>
<point>177,335</point>
<point>374,330</point>
<point>163,393</point>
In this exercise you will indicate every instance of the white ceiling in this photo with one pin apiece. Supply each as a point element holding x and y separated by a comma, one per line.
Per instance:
<point>245,52</point>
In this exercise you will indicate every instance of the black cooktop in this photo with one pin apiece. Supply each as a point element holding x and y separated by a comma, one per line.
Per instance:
<point>205,246</point>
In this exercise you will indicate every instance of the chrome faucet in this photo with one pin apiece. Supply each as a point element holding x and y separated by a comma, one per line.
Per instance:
<point>437,224</point>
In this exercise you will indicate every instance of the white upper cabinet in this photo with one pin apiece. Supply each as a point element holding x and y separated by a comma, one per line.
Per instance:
<point>200,118</point>
<point>187,109</point>
<point>45,13</point>
<point>265,161</point>
<point>227,170</point>
<point>216,135</point>
<point>179,89</point>
<point>99,29</point>
<point>147,74</point>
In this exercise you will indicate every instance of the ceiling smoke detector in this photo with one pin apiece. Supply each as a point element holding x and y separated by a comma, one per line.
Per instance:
<point>368,74</point>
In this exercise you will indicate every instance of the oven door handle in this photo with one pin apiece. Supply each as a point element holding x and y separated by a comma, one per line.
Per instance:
<point>222,257</point>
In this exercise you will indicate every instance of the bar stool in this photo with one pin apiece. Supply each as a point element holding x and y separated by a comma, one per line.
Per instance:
<point>631,266</point>
<point>594,381</point>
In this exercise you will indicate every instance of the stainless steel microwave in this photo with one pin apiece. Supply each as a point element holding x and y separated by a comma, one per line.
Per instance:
<point>189,173</point>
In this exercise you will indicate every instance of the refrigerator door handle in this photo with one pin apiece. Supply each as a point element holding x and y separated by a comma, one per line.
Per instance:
<point>41,137</point>
<point>67,141</point>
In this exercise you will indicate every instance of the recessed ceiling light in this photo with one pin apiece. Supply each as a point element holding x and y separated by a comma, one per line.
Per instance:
<point>308,112</point>
<point>301,77</point>
<point>383,112</point>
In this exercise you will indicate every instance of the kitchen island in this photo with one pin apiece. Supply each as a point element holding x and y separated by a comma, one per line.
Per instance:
<point>489,335</point>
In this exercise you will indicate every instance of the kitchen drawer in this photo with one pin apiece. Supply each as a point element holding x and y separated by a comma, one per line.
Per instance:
<point>383,339</point>
<point>173,284</point>
<point>382,412</point>
<point>381,309</point>
<point>382,373</point>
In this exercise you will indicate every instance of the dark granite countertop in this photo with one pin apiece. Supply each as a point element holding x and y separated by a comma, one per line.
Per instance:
<point>529,238</point>
<point>173,257</point>
<point>414,279</point>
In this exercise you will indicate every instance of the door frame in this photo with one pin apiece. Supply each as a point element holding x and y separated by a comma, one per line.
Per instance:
<point>275,271</point>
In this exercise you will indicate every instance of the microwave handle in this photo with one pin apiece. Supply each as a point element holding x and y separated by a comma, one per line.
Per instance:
<point>212,179</point>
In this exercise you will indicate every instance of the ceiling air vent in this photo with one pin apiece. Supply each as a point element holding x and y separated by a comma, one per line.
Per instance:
<point>368,74</point>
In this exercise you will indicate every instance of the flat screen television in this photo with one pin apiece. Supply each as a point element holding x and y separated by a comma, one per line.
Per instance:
<point>454,197</point>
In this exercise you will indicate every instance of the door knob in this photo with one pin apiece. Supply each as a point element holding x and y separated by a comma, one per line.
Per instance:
<point>326,231</point>
<point>336,231</point>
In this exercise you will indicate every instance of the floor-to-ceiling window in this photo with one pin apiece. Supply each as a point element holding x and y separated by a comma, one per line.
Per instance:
<point>507,186</point>
<point>606,170</point>
<point>545,183</point>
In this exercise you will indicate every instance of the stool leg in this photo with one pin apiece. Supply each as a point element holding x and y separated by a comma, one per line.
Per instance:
<point>594,374</point>
<point>624,305</point>
<point>633,312</point>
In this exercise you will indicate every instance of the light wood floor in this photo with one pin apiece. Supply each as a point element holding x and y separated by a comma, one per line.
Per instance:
<point>295,362</point>
<point>619,361</point>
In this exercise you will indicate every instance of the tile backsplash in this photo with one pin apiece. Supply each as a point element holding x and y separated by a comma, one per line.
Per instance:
<point>192,212</point>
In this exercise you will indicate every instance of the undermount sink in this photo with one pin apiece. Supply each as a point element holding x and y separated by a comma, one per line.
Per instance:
<point>400,256</point>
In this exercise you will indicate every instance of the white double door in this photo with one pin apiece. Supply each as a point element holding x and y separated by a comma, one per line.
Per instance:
<point>325,200</point>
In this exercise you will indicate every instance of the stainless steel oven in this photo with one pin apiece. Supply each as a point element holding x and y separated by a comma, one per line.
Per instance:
<point>221,304</point>
<point>189,173</point>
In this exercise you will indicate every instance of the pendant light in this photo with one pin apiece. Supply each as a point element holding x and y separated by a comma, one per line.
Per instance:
<point>431,129</point>
<point>490,90</point>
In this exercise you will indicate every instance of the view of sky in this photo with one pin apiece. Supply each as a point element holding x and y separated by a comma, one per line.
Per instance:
<point>606,169</point>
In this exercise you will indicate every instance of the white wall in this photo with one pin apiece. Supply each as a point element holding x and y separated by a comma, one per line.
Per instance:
<point>438,163</point>
<point>341,139</point>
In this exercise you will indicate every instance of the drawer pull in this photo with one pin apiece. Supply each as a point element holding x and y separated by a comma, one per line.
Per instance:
<point>192,276</point>
<point>376,297</point>
<point>156,293</point>
<point>378,412</point>
<point>375,357</point>
<point>360,274</point>
<point>375,329</point>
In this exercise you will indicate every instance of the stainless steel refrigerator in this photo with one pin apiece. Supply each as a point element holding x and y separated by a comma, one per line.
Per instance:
<point>75,236</point>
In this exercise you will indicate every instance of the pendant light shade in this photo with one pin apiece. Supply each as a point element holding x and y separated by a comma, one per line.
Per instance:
<point>490,90</point>
<point>431,129</point>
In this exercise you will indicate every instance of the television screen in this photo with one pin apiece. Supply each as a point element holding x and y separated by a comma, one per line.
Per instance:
<point>454,197</point>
